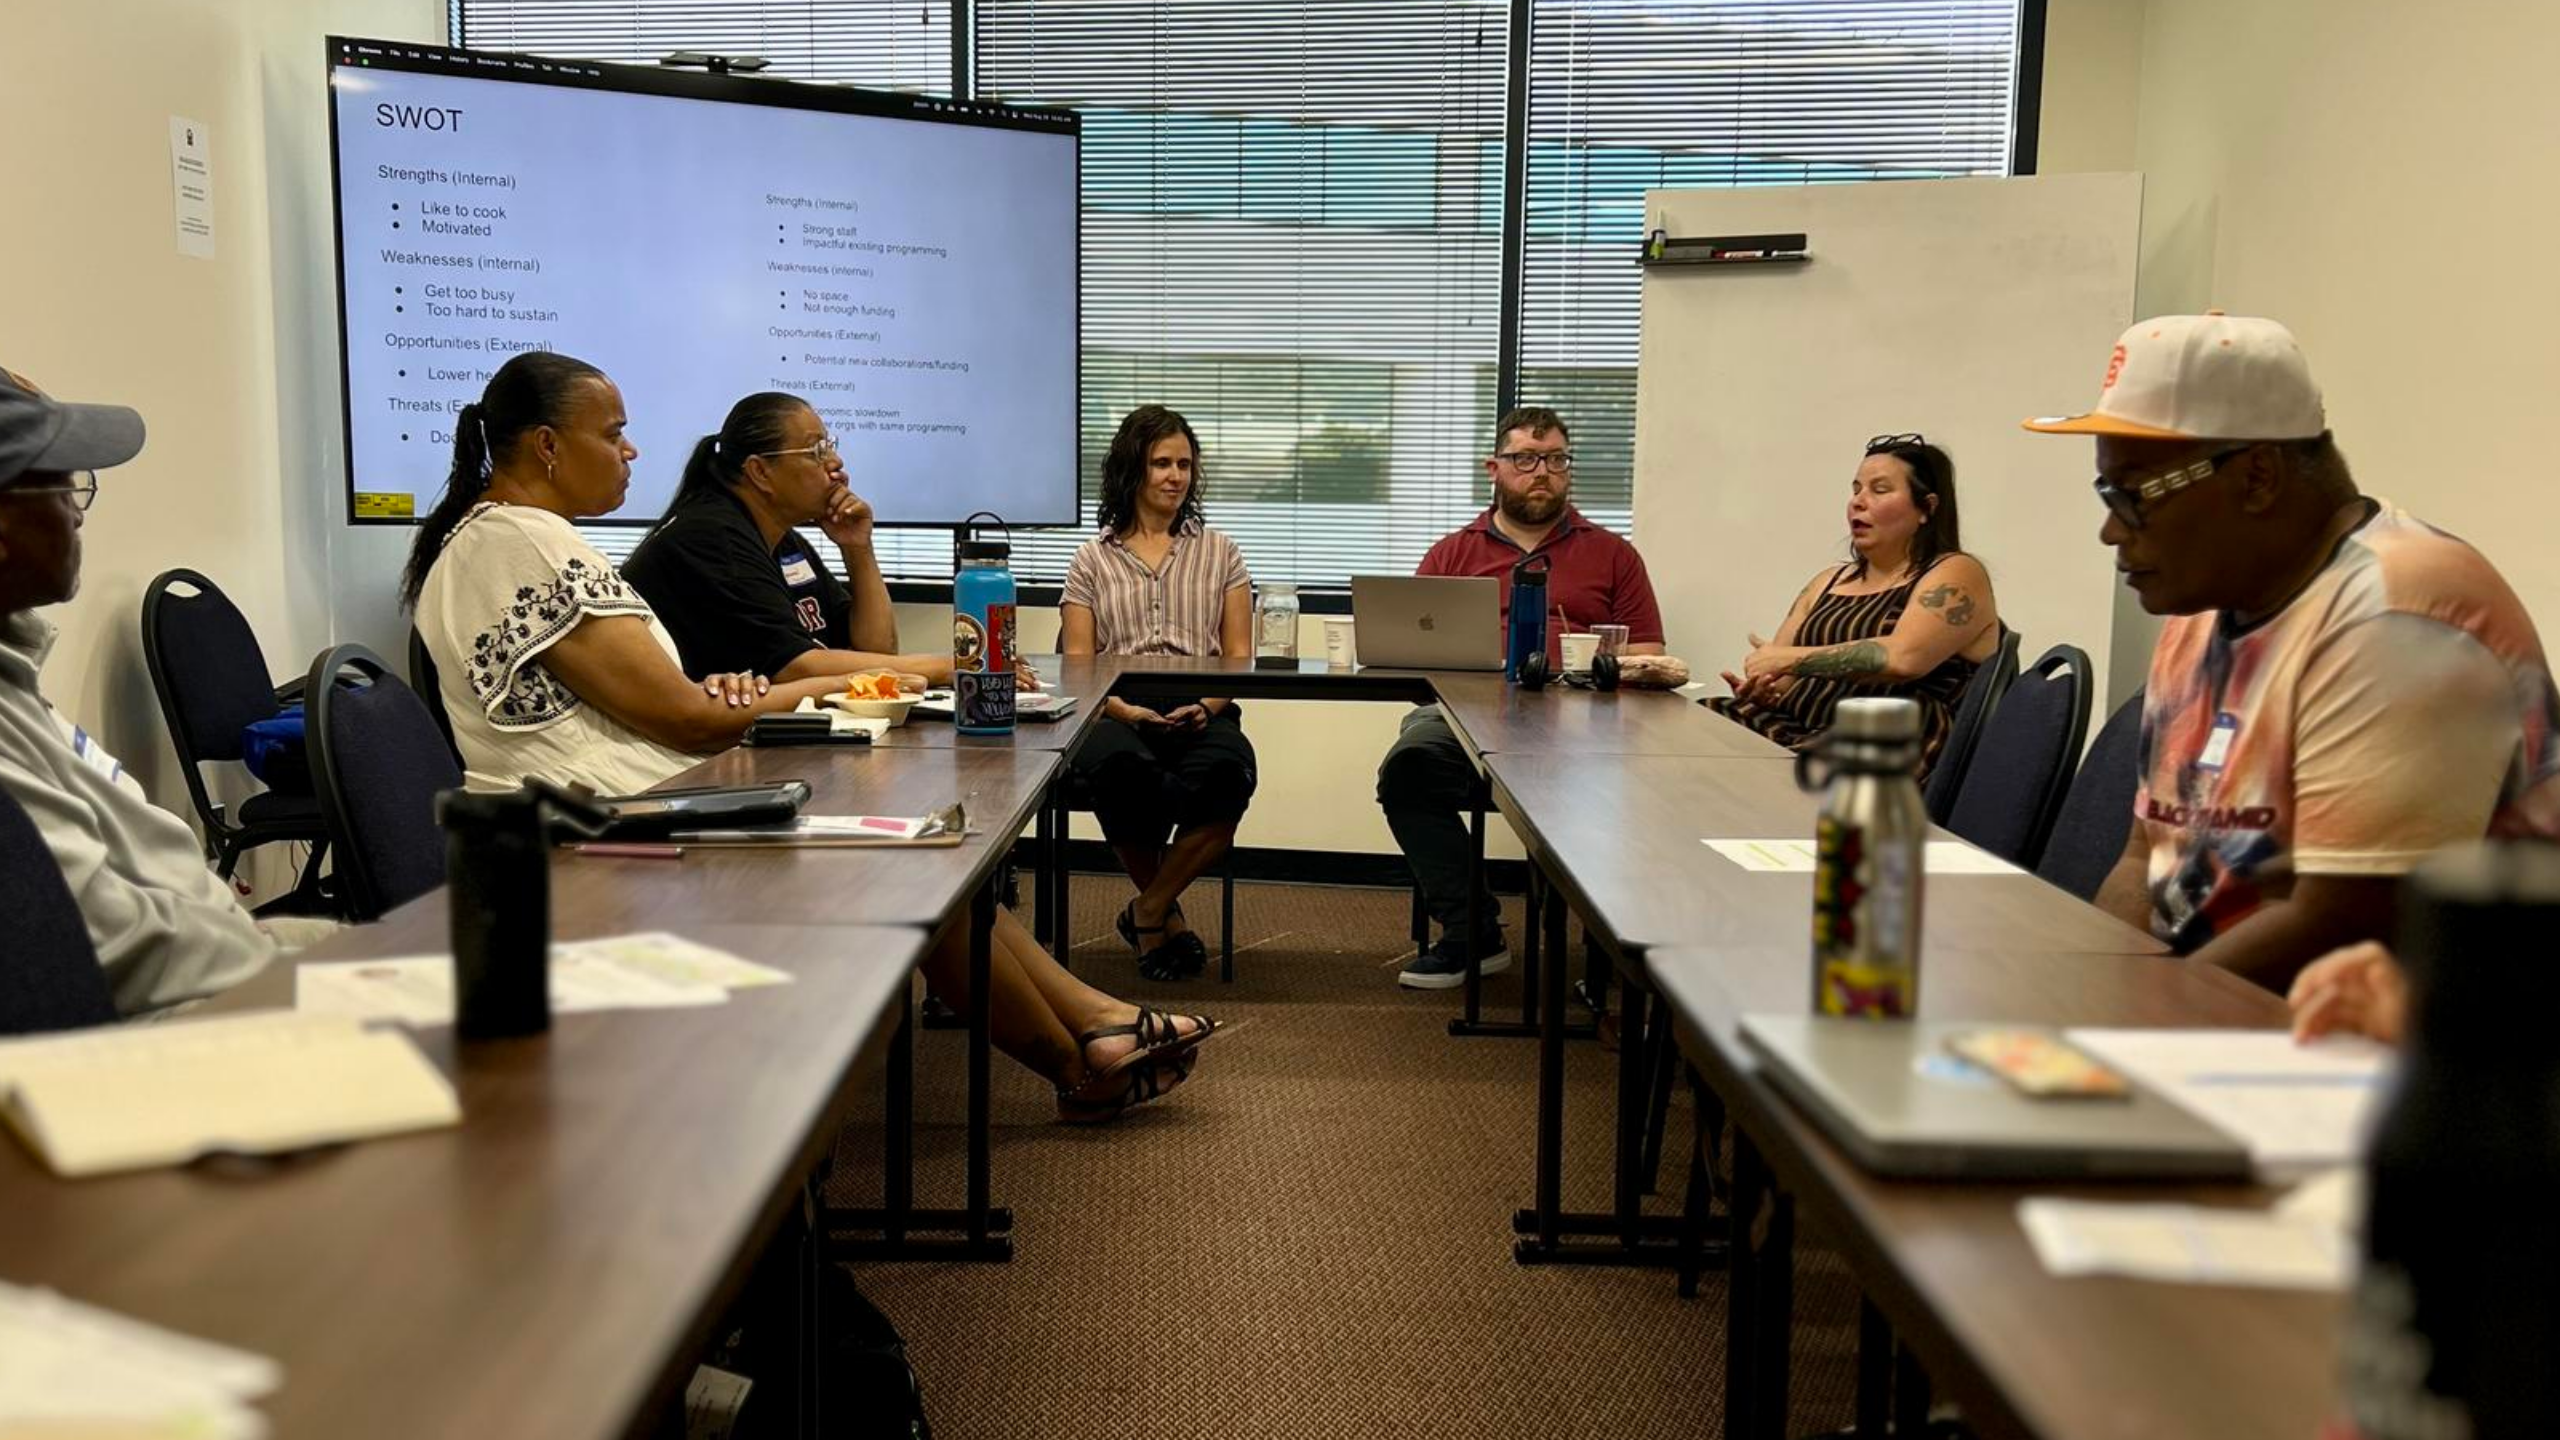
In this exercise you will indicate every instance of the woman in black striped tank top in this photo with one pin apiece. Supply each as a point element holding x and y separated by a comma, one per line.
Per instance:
<point>1911,614</point>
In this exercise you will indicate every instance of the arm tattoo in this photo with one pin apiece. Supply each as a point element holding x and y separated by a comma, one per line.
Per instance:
<point>1956,604</point>
<point>1844,662</point>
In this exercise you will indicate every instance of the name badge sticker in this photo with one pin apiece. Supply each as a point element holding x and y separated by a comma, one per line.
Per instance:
<point>798,571</point>
<point>2217,746</point>
<point>94,755</point>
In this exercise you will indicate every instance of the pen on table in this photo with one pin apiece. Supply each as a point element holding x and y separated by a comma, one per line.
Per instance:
<point>629,851</point>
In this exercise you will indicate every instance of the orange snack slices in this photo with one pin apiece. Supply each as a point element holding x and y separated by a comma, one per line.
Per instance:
<point>880,685</point>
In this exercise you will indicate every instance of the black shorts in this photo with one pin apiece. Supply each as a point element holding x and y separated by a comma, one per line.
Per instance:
<point>1143,785</point>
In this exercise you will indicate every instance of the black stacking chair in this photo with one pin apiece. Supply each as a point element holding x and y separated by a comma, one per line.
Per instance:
<point>1981,696</point>
<point>2088,836</point>
<point>212,681</point>
<point>423,679</point>
<point>49,975</point>
<point>2030,745</point>
<point>378,762</point>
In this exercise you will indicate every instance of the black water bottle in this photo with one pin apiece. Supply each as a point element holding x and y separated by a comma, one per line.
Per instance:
<point>2454,1327</point>
<point>498,878</point>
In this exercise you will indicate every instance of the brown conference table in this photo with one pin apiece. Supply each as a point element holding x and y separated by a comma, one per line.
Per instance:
<point>1945,1265</point>
<point>1004,787</point>
<point>1621,845</point>
<point>550,1266</point>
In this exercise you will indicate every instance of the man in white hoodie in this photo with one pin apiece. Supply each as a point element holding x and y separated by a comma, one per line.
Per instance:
<point>166,930</point>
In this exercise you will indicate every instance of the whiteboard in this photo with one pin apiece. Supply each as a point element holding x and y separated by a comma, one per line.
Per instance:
<point>1951,307</point>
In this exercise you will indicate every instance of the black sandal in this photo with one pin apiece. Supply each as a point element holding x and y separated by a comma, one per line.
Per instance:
<point>1157,1039</point>
<point>1168,961</point>
<point>1148,1082</point>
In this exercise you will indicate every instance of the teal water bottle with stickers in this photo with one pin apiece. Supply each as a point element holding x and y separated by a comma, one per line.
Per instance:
<point>982,634</point>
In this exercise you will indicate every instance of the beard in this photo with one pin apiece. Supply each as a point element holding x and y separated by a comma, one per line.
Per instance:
<point>1525,508</point>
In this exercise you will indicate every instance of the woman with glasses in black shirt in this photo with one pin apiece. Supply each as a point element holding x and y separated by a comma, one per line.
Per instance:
<point>1910,614</point>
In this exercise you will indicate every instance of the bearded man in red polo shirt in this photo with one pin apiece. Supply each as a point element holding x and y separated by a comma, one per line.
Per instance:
<point>1428,777</point>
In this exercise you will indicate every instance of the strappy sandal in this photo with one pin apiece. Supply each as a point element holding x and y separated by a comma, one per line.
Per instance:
<point>1157,1038</point>
<point>1149,1082</point>
<point>1170,960</point>
<point>1187,954</point>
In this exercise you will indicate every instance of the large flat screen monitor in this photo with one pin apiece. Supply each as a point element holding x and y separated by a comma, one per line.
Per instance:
<point>906,264</point>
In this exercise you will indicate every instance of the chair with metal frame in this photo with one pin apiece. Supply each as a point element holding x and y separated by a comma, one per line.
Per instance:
<point>378,763</point>
<point>212,682</point>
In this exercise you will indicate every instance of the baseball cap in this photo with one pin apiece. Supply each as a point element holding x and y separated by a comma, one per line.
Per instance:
<point>2202,377</point>
<point>38,432</point>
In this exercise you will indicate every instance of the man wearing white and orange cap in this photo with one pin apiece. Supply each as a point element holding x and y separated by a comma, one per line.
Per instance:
<point>2340,688</point>
<point>165,929</point>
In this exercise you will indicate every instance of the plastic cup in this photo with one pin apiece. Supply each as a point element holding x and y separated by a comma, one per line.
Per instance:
<point>1339,651</point>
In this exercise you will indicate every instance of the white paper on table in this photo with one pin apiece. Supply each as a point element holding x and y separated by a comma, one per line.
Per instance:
<point>2187,1244</point>
<point>1939,857</point>
<point>649,971</point>
<point>2297,1107</point>
<point>65,1362</point>
<point>683,962</point>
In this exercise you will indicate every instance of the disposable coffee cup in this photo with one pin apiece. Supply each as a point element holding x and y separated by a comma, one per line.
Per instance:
<point>1339,651</point>
<point>1578,651</point>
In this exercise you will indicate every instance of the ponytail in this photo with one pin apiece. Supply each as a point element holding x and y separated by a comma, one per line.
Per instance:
<point>755,426</point>
<point>528,392</point>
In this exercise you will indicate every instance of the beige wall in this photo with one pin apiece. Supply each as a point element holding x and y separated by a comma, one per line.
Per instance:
<point>2378,176</point>
<point>2374,175</point>
<point>215,353</point>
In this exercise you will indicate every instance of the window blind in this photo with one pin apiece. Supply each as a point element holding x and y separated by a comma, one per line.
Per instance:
<point>877,44</point>
<point>1631,95</point>
<point>1292,213</point>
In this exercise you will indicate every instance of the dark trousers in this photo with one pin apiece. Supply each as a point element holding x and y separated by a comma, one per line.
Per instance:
<point>1146,784</point>
<point>1424,783</point>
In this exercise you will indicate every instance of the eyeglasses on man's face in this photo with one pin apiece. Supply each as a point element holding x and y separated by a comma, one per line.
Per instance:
<point>1530,462</point>
<point>80,485</point>
<point>2128,499</point>
<point>825,450</point>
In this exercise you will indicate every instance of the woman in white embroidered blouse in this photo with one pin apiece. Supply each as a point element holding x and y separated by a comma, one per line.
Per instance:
<point>1159,581</point>
<point>549,664</point>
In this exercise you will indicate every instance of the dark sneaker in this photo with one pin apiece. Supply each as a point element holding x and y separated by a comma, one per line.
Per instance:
<point>1444,966</point>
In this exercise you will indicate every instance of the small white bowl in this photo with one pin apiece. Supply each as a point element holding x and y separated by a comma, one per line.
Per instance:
<point>893,711</point>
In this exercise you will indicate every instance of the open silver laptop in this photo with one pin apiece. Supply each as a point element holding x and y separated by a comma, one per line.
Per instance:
<point>1427,622</point>
<point>1891,1094</point>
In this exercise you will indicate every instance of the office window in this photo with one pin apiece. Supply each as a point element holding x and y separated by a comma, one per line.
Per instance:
<point>1294,209</point>
<point>1631,95</point>
<point>1291,235</point>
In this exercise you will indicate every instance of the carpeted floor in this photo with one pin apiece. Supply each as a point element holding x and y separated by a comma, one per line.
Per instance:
<point>1312,1237</point>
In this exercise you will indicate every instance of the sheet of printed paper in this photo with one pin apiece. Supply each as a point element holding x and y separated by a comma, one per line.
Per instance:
<point>2297,1107</point>
<point>1941,857</point>
<point>649,971</point>
<point>67,1362</point>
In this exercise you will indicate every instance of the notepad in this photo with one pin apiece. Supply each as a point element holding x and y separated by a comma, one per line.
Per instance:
<point>74,1370</point>
<point>1939,857</point>
<point>95,1102</point>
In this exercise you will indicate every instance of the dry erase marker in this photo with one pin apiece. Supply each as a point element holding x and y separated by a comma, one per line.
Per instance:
<point>633,852</point>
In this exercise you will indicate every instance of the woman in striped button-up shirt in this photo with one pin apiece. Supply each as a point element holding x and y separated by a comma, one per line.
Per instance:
<point>1159,581</point>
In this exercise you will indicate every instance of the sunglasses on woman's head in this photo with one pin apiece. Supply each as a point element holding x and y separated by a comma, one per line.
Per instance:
<point>1882,443</point>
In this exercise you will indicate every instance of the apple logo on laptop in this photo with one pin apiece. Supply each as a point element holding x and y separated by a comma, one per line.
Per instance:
<point>1427,621</point>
